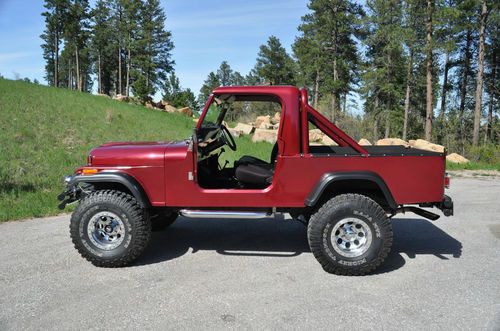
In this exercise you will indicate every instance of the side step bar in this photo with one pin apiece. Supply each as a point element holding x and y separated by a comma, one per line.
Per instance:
<point>223,214</point>
<point>419,211</point>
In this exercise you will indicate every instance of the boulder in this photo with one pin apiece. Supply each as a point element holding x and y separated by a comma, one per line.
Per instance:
<point>169,108</point>
<point>456,158</point>
<point>428,146</point>
<point>316,135</point>
<point>391,141</point>
<point>364,142</point>
<point>260,120</point>
<point>235,133</point>
<point>328,141</point>
<point>244,128</point>
<point>265,135</point>
<point>186,111</point>
<point>276,118</point>
<point>102,95</point>
<point>149,105</point>
<point>120,97</point>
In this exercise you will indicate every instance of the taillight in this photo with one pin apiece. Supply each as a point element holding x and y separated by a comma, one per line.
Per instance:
<point>446,180</point>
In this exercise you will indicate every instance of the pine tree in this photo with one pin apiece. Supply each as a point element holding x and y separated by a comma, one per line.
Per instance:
<point>103,45</point>
<point>225,74</point>
<point>274,65</point>
<point>56,11</point>
<point>211,83</point>
<point>384,74</point>
<point>76,36</point>
<point>334,26</point>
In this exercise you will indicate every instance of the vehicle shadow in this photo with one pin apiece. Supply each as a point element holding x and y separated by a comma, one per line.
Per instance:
<point>286,238</point>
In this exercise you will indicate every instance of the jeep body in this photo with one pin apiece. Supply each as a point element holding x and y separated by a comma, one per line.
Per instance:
<point>185,177</point>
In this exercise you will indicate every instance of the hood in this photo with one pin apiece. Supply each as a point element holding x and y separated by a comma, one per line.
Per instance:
<point>144,153</point>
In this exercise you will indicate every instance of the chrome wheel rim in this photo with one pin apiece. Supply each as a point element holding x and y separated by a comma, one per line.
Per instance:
<point>351,237</point>
<point>106,230</point>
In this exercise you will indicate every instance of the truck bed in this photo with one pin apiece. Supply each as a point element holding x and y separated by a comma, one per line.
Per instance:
<point>320,150</point>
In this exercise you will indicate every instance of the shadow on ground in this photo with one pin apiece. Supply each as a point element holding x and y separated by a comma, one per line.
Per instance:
<point>287,238</point>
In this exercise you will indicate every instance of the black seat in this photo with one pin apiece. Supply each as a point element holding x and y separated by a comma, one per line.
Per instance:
<point>254,176</point>
<point>253,172</point>
<point>248,159</point>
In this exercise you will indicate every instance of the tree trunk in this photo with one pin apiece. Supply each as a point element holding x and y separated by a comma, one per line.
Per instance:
<point>428,108</point>
<point>69,75</point>
<point>375,124</point>
<point>479,80</point>
<point>333,108</point>
<point>99,73</point>
<point>445,87</point>
<point>56,61</point>
<point>463,88</point>
<point>78,81</point>
<point>128,68</point>
<point>316,89</point>
<point>344,104</point>
<point>408,92</point>
<point>119,70</point>
<point>388,120</point>
<point>492,89</point>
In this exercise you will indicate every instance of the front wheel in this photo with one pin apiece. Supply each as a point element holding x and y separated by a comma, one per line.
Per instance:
<point>350,235</point>
<point>109,228</point>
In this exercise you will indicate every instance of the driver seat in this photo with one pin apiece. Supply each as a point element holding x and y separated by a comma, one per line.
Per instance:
<point>252,172</point>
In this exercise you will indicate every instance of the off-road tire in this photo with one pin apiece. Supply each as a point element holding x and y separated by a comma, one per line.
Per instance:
<point>337,210</point>
<point>136,223</point>
<point>163,219</point>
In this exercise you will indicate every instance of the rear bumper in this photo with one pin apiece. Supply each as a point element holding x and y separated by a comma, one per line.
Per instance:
<point>446,206</point>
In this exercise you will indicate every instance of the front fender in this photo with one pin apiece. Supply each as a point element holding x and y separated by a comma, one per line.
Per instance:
<point>72,192</point>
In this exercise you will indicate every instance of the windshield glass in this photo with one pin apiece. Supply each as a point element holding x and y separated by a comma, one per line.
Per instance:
<point>212,117</point>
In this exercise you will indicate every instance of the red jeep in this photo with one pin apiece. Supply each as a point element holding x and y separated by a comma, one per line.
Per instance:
<point>344,192</point>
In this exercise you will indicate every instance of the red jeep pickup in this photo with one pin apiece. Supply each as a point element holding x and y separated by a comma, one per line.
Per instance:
<point>344,192</point>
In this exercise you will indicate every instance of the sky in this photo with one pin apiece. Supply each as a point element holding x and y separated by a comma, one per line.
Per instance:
<point>205,33</point>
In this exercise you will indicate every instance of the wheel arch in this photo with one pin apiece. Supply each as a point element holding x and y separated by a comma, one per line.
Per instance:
<point>115,180</point>
<point>361,182</point>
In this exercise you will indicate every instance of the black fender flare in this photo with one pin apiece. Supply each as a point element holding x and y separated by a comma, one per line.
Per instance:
<point>332,177</point>
<point>115,177</point>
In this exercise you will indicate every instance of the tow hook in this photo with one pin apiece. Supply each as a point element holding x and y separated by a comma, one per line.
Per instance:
<point>419,211</point>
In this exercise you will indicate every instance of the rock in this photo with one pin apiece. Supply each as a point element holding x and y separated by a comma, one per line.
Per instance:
<point>265,135</point>
<point>102,95</point>
<point>235,133</point>
<point>169,108</point>
<point>149,105</point>
<point>328,141</point>
<point>262,119</point>
<point>391,142</point>
<point>120,97</point>
<point>186,111</point>
<point>266,126</point>
<point>316,135</point>
<point>244,128</point>
<point>428,146</point>
<point>276,118</point>
<point>364,142</point>
<point>456,158</point>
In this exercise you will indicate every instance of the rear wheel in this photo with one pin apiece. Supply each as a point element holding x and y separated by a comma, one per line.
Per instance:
<point>350,235</point>
<point>110,229</point>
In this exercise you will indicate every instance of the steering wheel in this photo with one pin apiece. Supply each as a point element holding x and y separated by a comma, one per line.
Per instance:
<point>228,137</point>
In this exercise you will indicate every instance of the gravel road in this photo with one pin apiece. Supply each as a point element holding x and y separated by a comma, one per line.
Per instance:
<point>213,274</point>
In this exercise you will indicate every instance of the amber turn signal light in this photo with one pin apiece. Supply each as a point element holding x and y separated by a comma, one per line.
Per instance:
<point>89,171</point>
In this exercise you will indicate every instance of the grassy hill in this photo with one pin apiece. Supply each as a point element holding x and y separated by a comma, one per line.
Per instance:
<point>46,132</point>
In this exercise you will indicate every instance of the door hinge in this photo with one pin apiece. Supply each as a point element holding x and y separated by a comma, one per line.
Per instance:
<point>190,176</point>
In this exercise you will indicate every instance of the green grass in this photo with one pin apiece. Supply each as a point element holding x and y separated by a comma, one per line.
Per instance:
<point>473,166</point>
<point>45,133</point>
